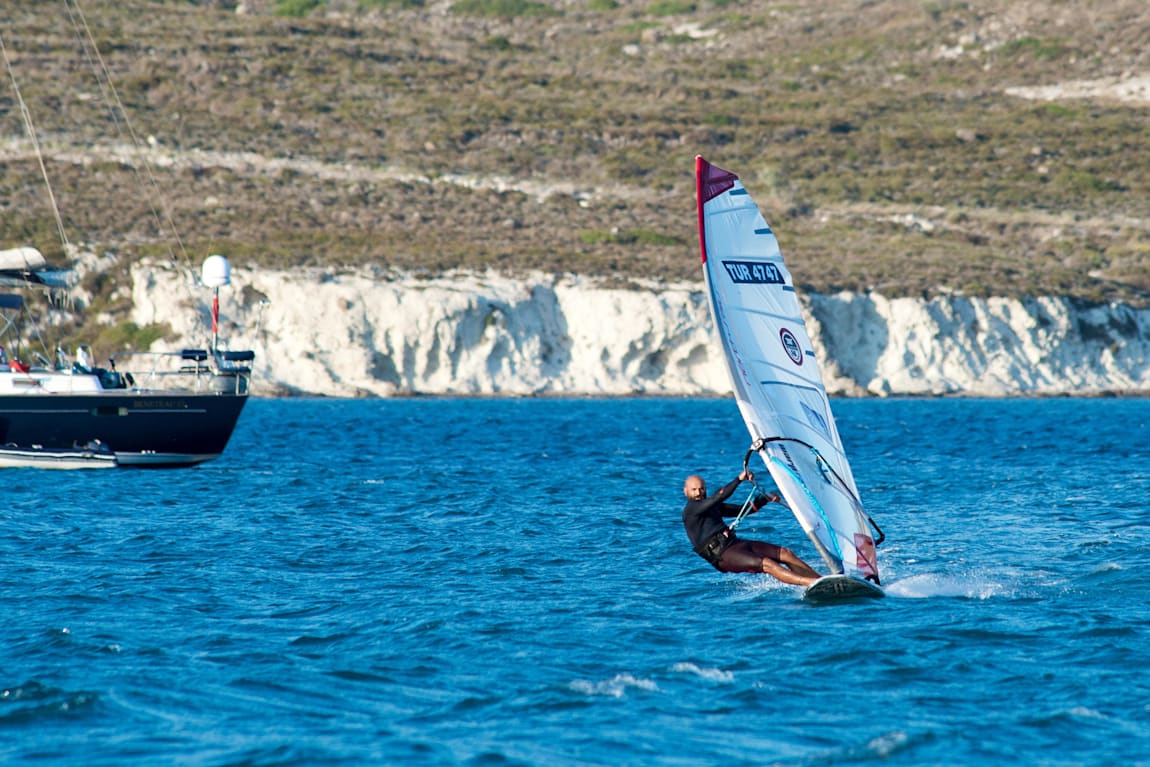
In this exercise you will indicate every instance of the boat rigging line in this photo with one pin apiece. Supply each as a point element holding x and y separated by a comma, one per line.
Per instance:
<point>30,129</point>
<point>119,115</point>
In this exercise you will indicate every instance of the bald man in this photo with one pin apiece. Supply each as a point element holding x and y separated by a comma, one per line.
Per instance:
<point>717,543</point>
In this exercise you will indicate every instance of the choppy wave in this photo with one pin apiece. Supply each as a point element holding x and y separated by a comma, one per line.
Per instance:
<point>33,703</point>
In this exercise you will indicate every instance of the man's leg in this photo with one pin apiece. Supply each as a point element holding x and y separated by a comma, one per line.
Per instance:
<point>770,560</point>
<point>791,560</point>
<point>785,560</point>
<point>778,572</point>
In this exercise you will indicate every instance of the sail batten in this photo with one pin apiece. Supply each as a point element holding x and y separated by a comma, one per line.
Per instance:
<point>774,372</point>
<point>808,386</point>
<point>754,312</point>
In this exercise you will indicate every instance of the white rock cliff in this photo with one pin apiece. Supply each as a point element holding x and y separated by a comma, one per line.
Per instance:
<point>350,334</point>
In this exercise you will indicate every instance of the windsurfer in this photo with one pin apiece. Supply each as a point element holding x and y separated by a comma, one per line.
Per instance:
<point>715,542</point>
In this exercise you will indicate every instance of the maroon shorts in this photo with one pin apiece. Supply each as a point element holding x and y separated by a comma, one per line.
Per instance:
<point>744,556</point>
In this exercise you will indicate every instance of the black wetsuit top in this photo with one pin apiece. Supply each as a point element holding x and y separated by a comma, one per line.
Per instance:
<point>704,519</point>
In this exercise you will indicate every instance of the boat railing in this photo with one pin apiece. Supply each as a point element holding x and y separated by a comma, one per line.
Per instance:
<point>217,371</point>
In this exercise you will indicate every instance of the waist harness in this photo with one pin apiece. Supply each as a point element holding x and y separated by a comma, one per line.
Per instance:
<point>712,549</point>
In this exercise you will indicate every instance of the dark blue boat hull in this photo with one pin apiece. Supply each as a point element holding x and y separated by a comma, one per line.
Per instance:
<point>142,428</point>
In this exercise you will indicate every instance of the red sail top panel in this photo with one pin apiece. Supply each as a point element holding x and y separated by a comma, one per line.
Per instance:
<point>710,182</point>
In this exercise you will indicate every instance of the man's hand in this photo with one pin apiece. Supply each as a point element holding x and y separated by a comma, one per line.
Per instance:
<point>762,500</point>
<point>745,475</point>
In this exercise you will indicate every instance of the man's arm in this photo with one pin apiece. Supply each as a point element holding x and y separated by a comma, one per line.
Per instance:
<point>763,499</point>
<point>728,489</point>
<point>730,509</point>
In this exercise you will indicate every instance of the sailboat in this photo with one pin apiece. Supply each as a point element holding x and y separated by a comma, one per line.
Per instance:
<point>778,386</point>
<point>148,409</point>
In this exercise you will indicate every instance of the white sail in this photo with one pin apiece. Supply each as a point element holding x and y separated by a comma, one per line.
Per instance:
<point>776,378</point>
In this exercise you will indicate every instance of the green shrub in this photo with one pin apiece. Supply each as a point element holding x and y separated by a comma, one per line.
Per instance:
<point>720,120</point>
<point>297,8</point>
<point>128,336</point>
<point>368,4</point>
<point>503,8</point>
<point>648,237</point>
<point>1040,49</point>
<point>1059,110</point>
<point>671,8</point>
<point>638,27</point>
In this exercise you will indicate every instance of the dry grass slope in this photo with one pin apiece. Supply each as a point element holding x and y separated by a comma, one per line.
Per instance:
<point>878,135</point>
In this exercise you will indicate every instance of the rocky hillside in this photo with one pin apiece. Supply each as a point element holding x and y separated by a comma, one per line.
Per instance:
<point>982,148</point>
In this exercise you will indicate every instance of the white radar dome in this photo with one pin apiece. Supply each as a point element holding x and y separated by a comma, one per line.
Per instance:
<point>217,271</point>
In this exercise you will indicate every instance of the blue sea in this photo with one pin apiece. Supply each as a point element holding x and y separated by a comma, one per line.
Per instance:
<point>506,582</point>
